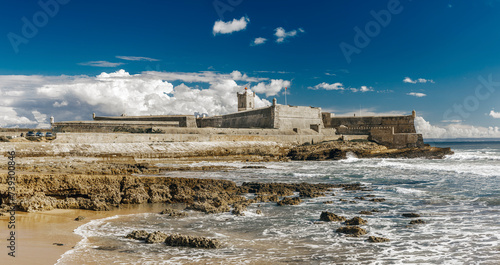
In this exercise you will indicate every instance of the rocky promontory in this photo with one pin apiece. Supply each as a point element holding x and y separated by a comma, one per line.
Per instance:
<point>336,150</point>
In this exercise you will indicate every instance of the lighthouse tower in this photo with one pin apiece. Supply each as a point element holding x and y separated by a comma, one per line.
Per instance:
<point>246,100</point>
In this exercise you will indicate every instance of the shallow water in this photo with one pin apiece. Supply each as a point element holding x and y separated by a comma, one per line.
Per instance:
<point>458,197</point>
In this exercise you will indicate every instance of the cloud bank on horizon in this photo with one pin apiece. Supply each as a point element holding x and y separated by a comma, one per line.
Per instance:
<point>31,100</point>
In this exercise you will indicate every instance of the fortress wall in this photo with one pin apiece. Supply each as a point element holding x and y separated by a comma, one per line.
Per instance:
<point>145,138</point>
<point>401,124</point>
<point>300,117</point>
<point>257,118</point>
<point>209,122</point>
<point>188,121</point>
<point>110,126</point>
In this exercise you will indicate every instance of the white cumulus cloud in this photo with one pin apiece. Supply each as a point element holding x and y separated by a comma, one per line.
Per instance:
<point>258,41</point>
<point>415,94</point>
<point>271,89</point>
<point>221,27</point>
<point>281,34</point>
<point>418,80</point>
<point>494,114</point>
<point>361,89</point>
<point>326,86</point>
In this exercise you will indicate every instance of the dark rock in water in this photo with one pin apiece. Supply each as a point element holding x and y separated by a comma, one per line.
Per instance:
<point>290,201</point>
<point>360,198</point>
<point>258,212</point>
<point>173,213</point>
<point>352,230</point>
<point>331,217</point>
<point>411,215</point>
<point>374,239</point>
<point>156,237</point>
<point>177,240</point>
<point>356,221</point>
<point>138,235</point>
<point>58,244</point>
<point>80,218</point>
<point>417,222</point>
<point>366,213</point>
<point>328,202</point>
<point>254,167</point>
<point>375,211</point>
<point>378,200</point>
<point>343,200</point>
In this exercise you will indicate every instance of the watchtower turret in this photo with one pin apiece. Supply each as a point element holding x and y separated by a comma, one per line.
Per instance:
<point>246,100</point>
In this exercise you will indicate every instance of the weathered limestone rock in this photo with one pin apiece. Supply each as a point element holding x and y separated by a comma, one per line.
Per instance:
<point>355,231</point>
<point>156,237</point>
<point>356,221</point>
<point>366,213</point>
<point>266,198</point>
<point>374,239</point>
<point>377,200</point>
<point>331,217</point>
<point>37,202</point>
<point>290,201</point>
<point>138,235</point>
<point>177,240</point>
<point>207,207</point>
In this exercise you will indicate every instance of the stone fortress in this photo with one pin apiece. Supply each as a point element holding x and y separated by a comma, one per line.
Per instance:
<point>279,123</point>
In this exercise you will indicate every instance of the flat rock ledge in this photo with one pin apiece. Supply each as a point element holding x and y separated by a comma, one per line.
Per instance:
<point>174,240</point>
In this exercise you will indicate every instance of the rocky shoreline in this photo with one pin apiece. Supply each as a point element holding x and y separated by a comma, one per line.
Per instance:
<point>41,192</point>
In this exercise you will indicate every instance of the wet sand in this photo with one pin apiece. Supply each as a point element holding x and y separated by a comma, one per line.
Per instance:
<point>36,233</point>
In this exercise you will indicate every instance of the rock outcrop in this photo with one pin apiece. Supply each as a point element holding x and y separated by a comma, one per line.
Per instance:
<point>355,231</point>
<point>411,215</point>
<point>356,221</point>
<point>331,217</point>
<point>175,240</point>
<point>290,201</point>
<point>374,239</point>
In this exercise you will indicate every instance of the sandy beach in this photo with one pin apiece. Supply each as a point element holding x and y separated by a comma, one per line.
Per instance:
<point>39,235</point>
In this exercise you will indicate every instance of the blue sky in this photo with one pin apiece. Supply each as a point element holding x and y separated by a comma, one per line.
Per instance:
<point>69,58</point>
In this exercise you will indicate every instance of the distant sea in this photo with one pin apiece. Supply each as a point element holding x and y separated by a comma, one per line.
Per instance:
<point>458,198</point>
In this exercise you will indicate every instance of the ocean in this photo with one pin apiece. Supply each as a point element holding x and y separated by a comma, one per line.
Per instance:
<point>458,198</point>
